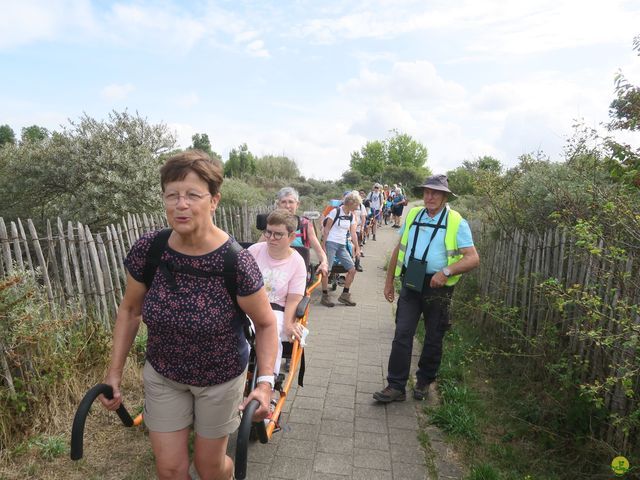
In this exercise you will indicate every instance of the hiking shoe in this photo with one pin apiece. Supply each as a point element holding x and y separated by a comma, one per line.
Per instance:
<point>420,391</point>
<point>346,299</point>
<point>389,395</point>
<point>326,301</point>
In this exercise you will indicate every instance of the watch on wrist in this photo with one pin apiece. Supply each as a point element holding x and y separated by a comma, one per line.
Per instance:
<point>446,271</point>
<point>270,379</point>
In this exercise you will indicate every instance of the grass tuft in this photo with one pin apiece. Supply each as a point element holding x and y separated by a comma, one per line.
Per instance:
<point>49,447</point>
<point>483,472</point>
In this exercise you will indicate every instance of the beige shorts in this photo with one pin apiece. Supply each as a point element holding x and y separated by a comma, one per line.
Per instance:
<point>171,406</point>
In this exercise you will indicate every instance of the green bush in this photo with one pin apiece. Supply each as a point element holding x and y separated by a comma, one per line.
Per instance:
<point>236,192</point>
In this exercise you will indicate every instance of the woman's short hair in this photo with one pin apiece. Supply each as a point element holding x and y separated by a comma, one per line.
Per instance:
<point>281,216</point>
<point>287,192</point>
<point>179,166</point>
<point>352,199</point>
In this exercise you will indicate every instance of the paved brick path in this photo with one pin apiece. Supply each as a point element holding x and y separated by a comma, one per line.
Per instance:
<point>333,429</point>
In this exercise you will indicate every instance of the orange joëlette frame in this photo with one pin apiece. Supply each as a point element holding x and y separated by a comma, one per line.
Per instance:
<point>296,355</point>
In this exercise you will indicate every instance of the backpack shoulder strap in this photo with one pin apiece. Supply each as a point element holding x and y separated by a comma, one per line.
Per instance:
<point>230,268</point>
<point>304,228</point>
<point>156,249</point>
<point>337,219</point>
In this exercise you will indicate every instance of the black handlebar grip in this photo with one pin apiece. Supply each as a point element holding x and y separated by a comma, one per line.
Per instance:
<point>242,443</point>
<point>77,430</point>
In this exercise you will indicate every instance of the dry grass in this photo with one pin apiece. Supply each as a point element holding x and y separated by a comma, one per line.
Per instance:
<point>111,451</point>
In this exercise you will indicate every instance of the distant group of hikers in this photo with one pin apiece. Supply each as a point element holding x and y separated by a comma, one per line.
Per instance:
<point>189,287</point>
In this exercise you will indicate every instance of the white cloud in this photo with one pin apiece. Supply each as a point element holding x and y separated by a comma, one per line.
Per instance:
<point>116,92</point>
<point>256,49</point>
<point>489,27</point>
<point>379,119</point>
<point>183,132</point>
<point>153,27</point>
<point>408,81</point>
<point>187,100</point>
<point>246,36</point>
<point>169,27</point>
<point>28,21</point>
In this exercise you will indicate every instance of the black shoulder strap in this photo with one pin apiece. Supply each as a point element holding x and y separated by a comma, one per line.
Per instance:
<point>156,249</point>
<point>337,219</point>
<point>229,268</point>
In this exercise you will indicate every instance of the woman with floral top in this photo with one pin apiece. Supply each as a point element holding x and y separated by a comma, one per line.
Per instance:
<point>197,354</point>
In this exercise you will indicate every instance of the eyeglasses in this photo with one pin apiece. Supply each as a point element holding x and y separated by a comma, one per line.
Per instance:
<point>276,235</point>
<point>172,199</point>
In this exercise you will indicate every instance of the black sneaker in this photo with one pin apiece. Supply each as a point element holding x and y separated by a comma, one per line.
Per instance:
<point>389,395</point>
<point>359,268</point>
<point>420,391</point>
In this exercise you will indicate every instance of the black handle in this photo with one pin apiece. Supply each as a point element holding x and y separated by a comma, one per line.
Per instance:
<point>77,430</point>
<point>302,306</point>
<point>244,432</point>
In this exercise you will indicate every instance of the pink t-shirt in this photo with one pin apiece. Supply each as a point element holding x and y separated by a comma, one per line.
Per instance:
<point>288,275</point>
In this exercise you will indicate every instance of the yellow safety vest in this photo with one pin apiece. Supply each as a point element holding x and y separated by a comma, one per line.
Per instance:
<point>450,241</point>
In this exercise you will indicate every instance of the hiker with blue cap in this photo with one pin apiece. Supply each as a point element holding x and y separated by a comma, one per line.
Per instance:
<point>435,248</point>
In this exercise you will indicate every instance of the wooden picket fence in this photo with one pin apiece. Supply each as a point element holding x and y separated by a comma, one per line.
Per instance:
<point>76,265</point>
<point>513,268</point>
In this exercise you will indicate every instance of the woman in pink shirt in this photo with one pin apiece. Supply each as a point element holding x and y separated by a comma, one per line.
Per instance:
<point>284,273</point>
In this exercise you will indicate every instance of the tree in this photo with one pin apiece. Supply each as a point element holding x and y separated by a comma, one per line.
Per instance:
<point>404,151</point>
<point>34,134</point>
<point>400,150</point>
<point>624,163</point>
<point>463,180</point>
<point>92,171</point>
<point>7,135</point>
<point>200,141</point>
<point>352,178</point>
<point>271,166</point>
<point>408,175</point>
<point>241,162</point>
<point>371,159</point>
<point>484,164</point>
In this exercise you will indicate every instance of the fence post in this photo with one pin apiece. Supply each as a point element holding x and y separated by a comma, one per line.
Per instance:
<point>43,264</point>
<point>25,242</point>
<point>6,249</point>
<point>51,256</point>
<point>117,277</point>
<point>87,271</point>
<point>16,245</point>
<point>109,289</point>
<point>76,266</point>
<point>98,278</point>
<point>68,284</point>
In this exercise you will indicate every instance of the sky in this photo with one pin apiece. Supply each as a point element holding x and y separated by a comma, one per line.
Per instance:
<point>316,80</point>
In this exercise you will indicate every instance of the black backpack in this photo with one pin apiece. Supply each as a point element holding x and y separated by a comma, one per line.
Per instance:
<point>338,217</point>
<point>230,267</point>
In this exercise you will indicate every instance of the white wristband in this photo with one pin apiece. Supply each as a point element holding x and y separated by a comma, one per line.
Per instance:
<point>268,379</point>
